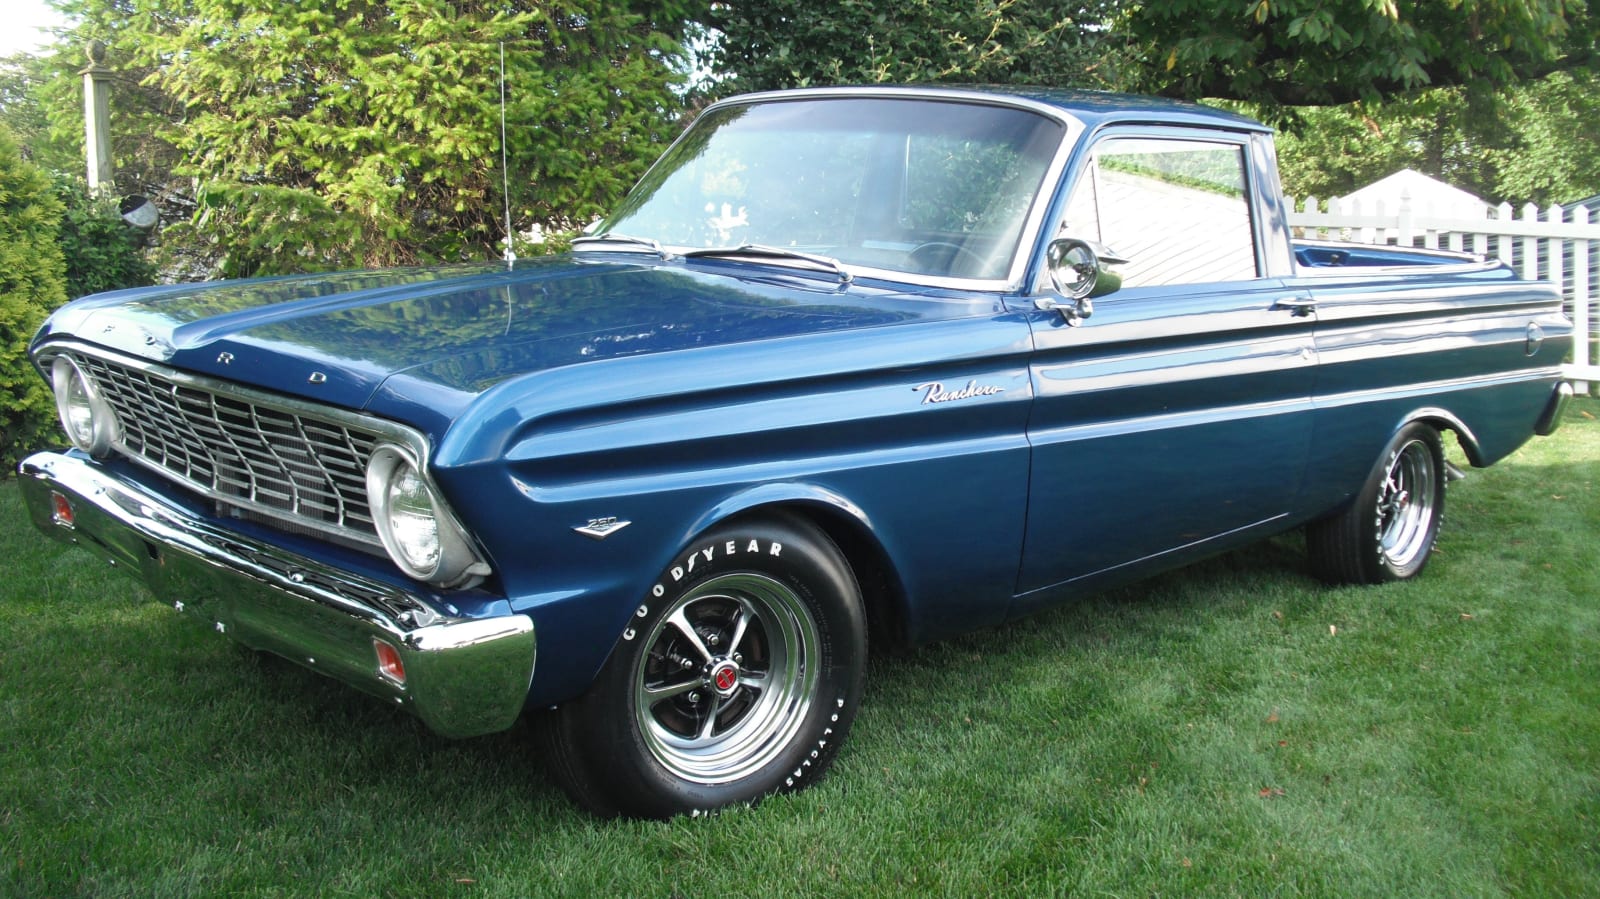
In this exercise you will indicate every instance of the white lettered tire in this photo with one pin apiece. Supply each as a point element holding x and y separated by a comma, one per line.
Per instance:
<point>738,676</point>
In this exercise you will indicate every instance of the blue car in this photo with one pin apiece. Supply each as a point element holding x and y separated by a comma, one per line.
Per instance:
<point>886,362</point>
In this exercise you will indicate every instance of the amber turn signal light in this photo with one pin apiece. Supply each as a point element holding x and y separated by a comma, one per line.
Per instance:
<point>61,510</point>
<point>390,667</point>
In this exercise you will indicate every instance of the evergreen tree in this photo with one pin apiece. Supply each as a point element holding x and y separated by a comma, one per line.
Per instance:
<point>367,132</point>
<point>31,284</point>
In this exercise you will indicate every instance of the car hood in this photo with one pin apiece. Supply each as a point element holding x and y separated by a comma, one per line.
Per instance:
<point>453,332</point>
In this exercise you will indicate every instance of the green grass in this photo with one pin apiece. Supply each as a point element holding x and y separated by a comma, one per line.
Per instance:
<point>1230,729</point>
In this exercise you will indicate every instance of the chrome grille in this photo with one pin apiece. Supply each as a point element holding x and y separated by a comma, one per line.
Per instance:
<point>276,460</point>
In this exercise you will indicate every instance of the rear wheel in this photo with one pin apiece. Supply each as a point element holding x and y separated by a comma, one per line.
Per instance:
<point>1388,533</point>
<point>738,676</point>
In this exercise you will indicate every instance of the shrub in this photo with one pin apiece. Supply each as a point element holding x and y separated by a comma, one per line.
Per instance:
<point>101,253</point>
<point>32,282</point>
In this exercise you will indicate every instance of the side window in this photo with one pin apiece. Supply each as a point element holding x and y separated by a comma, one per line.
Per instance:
<point>1177,210</point>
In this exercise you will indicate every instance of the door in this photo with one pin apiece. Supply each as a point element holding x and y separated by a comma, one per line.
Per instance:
<point>1174,419</point>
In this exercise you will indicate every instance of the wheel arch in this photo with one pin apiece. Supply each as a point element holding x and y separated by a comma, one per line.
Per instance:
<point>883,593</point>
<point>1442,420</point>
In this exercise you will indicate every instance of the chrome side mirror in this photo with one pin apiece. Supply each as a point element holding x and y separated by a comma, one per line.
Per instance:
<point>1078,273</point>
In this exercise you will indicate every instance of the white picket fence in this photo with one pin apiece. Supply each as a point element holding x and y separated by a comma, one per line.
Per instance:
<point>1558,245</point>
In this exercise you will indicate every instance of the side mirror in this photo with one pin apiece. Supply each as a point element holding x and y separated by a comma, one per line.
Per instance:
<point>1078,273</point>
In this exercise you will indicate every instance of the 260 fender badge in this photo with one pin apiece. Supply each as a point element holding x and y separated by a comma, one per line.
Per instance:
<point>601,528</point>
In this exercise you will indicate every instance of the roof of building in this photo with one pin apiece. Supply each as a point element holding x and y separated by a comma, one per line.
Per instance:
<point>1424,193</point>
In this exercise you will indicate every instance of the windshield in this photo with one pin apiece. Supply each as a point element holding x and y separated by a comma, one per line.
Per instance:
<point>921,186</point>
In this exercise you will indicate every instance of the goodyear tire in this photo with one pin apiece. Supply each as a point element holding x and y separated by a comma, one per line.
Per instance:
<point>738,676</point>
<point>1388,533</point>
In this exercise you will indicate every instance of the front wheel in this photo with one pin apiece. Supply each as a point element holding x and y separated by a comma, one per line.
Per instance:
<point>1388,533</point>
<point>737,676</point>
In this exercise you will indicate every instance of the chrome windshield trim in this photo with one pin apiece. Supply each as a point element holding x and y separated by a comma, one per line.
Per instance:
<point>903,92</point>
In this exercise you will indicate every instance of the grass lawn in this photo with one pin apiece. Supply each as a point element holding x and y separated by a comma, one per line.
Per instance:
<point>1230,729</point>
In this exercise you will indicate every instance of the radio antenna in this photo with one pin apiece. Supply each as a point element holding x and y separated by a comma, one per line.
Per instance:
<point>505,174</point>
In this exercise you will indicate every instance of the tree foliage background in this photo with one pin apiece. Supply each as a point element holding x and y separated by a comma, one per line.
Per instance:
<point>1272,53</point>
<point>32,282</point>
<point>793,43</point>
<point>367,132</point>
<point>1536,142</point>
<point>290,137</point>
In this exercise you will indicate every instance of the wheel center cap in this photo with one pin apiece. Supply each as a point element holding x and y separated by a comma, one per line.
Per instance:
<point>725,677</point>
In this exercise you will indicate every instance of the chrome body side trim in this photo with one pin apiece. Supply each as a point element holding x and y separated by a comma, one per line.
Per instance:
<point>463,676</point>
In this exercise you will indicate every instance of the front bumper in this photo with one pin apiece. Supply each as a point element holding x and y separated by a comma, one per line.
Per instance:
<point>462,677</point>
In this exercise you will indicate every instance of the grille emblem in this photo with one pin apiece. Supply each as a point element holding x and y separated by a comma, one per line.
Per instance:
<point>225,358</point>
<point>317,377</point>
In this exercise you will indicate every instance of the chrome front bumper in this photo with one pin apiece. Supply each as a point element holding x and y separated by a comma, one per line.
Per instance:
<point>462,676</point>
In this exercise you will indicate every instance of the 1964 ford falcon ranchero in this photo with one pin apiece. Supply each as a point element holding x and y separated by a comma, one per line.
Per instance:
<point>910,361</point>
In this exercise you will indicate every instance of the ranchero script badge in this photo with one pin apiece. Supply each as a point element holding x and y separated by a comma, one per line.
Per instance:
<point>934,392</point>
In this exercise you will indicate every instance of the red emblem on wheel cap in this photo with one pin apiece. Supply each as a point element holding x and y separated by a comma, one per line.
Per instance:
<point>725,678</point>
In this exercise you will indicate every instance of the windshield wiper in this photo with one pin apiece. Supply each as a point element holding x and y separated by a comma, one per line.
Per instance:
<point>821,263</point>
<point>627,240</point>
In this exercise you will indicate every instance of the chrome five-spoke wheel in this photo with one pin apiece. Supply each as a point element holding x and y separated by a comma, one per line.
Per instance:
<point>1405,507</point>
<point>728,676</point>
<point>736,677</point>
<point>1387,533</point>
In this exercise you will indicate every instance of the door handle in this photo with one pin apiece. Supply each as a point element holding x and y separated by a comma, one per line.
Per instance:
<point>1297,306</point>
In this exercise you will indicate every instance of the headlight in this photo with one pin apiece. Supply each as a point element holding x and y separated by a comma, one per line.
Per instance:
<point>415,525</point>
<point>85,415</point>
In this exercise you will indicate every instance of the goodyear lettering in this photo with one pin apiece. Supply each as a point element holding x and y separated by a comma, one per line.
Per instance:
<point>706,555</point>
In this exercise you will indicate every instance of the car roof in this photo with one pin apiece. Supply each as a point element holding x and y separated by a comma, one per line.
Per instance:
<point>1091,108</point>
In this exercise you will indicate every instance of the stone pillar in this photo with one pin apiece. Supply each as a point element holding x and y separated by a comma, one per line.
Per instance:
<point>97,120</point>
